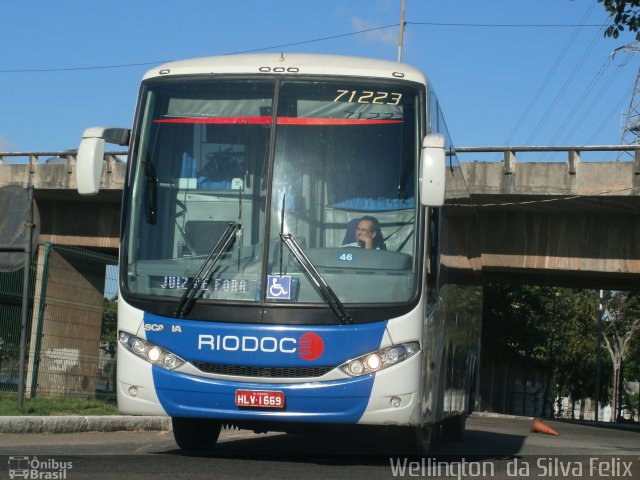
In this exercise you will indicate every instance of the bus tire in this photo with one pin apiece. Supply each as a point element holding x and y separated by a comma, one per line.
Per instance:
<point>452,429</point>
<point>196,434</point>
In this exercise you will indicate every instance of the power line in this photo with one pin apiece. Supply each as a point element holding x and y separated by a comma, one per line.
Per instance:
<point>585,94</point>
<point>550,73</point>
<point>613,111</point>
<point>75,69</point>
<point>315,40</point>
<point>506,25</point>
<point>140,64</point>
<point>552,105</point>
<point>545,200</point>
<point>302,42</point>
<point>597,98</point>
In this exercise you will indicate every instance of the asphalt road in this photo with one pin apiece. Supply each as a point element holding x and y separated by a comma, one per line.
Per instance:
<point>494,447</point>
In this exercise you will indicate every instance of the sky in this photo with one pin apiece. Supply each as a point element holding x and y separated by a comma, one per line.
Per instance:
<point>507,72</point>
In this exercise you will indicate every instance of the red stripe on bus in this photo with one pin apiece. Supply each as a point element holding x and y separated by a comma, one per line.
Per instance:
<point>332,121</point>
<point>280,121</point>
<point>219,120</point>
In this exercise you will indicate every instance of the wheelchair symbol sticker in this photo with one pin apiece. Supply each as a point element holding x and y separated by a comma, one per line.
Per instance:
<point>279,287</point>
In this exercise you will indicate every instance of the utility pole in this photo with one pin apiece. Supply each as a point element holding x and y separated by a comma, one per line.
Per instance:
<point>401,39</point>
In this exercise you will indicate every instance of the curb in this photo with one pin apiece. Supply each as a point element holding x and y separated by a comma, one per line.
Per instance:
<point>75,424</point>
<point>632,427</point>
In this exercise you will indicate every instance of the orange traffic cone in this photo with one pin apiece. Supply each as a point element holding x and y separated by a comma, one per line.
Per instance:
<point>537,426</point>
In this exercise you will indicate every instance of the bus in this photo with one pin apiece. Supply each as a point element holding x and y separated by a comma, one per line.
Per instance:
<point>249,295</point>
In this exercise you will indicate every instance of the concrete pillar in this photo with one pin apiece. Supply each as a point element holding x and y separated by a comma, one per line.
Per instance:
<point>509,161</point>
<point>574,160</point>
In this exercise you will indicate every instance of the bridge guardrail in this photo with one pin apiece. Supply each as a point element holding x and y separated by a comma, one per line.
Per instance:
<point>509,155</point>
<point>573,153</point>
<point>67,156</point>
<point>56,170</point>
<point>27,168</point>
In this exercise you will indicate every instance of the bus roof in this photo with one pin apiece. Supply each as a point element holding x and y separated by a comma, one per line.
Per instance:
<point>288,63</point>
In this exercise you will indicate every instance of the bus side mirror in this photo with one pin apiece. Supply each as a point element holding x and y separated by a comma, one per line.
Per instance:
<point>91,155</point>
<point>432,171</point>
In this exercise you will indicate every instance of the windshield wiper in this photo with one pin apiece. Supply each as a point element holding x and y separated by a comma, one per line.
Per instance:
<point>316,278</point>
<point>190,295</point>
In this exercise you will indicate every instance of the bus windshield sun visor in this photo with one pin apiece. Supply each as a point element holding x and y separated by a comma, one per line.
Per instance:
<point>193,290</point>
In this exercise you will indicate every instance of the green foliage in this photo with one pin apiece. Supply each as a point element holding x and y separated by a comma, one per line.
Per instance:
<point>9,350</point>
<point>631,402</point>
<point>54,406</point>
<point>632,363</point>
<point>623,311</point>
<point>621,328</point>
<point>554,329</point>
<point>624,14</point>
<point>109,333</point>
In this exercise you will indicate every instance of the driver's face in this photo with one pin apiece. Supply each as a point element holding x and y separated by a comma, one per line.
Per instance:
<point>365,229</point>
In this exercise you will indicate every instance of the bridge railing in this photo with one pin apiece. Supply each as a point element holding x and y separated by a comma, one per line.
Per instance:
<point>573,153</point>
<point>509,156</point>
<point>56,170</point>
<point>53,157</point>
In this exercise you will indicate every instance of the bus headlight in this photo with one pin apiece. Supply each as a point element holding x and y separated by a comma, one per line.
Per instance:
<point>380,359</point>
<point>150,352</point>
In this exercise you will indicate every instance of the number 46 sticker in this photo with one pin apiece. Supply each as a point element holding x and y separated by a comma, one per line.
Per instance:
<point>346,257</point>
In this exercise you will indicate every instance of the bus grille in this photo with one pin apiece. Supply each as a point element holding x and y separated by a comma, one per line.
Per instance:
<point>268,372</point>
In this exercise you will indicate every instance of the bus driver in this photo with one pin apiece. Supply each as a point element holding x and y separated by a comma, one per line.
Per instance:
<point>367,234</point>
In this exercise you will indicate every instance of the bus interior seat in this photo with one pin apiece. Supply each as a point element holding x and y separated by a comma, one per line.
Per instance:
<point>204,234</point>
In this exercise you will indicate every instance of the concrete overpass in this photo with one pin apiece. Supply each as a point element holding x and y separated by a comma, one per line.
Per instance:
<point>568,223</point>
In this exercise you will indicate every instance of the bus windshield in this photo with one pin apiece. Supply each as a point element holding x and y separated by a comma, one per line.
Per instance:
<point>331,163</point>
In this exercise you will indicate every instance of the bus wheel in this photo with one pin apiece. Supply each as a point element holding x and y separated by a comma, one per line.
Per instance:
<point>452,429</point>
<point>196,434</point>
<point>423,435</point>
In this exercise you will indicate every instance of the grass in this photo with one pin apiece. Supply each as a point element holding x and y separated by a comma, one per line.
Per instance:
<point>54,406</point>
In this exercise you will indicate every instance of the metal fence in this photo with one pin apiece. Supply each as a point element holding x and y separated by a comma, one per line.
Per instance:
<point>11,287</point>
<point>72,320</point>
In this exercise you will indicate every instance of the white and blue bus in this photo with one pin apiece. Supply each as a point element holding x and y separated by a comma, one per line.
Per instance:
<point>248,296</point>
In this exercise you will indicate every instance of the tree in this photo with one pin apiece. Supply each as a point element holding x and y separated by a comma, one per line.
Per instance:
<point>624,14</point>
<point>631,368</point>
<point>535,326</point>
<point>108,333</point>
<point>549,328</point>
<point>574,356</point>
<point>622,326</point>
<point>632,362</point>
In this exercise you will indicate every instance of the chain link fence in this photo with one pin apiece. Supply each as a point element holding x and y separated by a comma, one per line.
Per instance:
<point>71,331</point>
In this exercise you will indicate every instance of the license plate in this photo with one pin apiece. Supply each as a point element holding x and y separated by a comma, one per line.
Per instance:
<point>259,398</point>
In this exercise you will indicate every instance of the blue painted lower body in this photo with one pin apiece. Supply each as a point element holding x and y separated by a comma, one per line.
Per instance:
<point>342,401</point>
